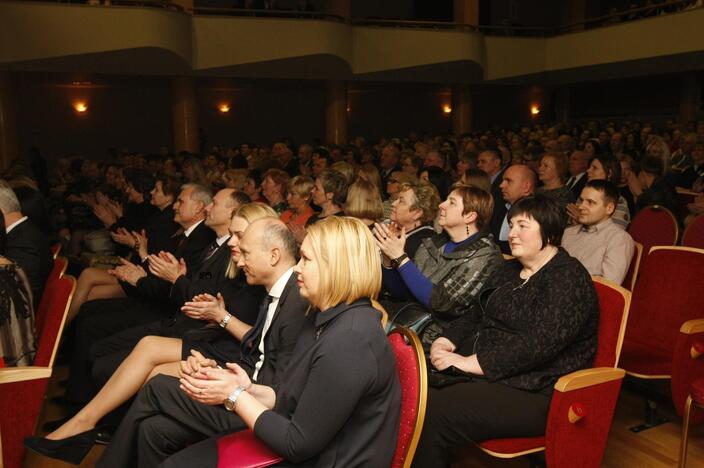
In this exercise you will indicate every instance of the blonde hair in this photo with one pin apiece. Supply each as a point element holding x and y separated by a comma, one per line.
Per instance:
<point>300,185</point>
<point>364,201</point>
<point>350,266</point>
<point>346,169</point>
<point>250,213</point>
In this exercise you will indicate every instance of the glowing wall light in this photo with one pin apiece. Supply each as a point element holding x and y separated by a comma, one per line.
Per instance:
<point>534,110</point>
<point>80,106</point>
<point>447,109</point>
<point>224,108</point>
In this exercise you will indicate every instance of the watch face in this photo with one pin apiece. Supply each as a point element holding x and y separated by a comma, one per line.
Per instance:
<point>229,404</point>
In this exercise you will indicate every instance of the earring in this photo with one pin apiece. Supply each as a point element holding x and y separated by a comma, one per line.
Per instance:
<point>466,226</point>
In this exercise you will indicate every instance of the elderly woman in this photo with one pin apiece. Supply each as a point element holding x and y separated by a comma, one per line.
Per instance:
<point>607,167</point>
<point>414,211</point>
<point>448,269</point>
<point>161,355</point>
<point>539,321</point>
<point>552,172</point>
<point>338,402</point>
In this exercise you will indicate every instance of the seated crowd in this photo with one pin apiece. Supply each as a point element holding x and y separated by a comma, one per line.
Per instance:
<point>239,289</point>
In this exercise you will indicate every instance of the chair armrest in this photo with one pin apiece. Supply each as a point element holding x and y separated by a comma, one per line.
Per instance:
<point>21,374</point>
<point>690,327</point>
<point>588,377</point>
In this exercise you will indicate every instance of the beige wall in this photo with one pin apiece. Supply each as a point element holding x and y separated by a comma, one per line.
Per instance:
<point>50,37</point>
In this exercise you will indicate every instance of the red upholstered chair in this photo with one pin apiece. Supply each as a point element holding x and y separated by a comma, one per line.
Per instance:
<point>56,250</point>
<point>583,403</point>
<point>22,389</point>
<point>667,296</point>
<point>60,265</point>
<point>629,281</point>
<point>244,450</point>
<point>654,225</point>
<point>694,234</point>
<point>412,372</point>
<point>694,399</point>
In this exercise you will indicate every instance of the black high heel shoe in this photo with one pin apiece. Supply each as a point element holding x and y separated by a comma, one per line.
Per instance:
<point>71,449</point>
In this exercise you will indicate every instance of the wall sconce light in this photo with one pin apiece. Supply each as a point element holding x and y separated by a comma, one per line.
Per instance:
<point>224,108</point>
<point>447,109</point>
<point>534,110</point>
<point>80,106</point>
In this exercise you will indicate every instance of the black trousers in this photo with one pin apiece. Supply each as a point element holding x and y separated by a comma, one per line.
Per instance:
<point>161,422</point>
<point>476,411</point>
<point>97,320</point>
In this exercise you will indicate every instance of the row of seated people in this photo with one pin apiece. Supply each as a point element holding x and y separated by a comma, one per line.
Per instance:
<point>133,209</point>
<point>458,216</point>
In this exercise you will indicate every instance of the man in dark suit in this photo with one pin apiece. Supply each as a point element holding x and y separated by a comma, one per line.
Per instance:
<point>490,162</point>
<point>165,416</point>
<point>518,182</point>
<point>579,160</point>
<point>208,277</point>
<point>25,243</point>
<point>146,303</point>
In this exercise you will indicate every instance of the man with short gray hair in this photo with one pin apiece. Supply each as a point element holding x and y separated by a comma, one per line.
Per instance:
<point>25,243</point>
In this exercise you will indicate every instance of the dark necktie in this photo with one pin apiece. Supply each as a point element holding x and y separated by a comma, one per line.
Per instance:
<point>571,182</point>
<point>250,341</point>
<point>212,248</point>
<point>180,245</point>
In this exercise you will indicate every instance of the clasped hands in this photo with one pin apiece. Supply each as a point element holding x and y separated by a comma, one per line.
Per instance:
<point>203,381</point>
<point>442,356</point>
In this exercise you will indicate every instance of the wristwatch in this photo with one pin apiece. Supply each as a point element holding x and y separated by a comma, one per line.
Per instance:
<point>231,401</point>
<point>225,320</point>
<point>396,262</point>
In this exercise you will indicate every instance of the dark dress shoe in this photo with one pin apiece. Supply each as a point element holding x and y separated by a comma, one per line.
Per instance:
<point>72,449</point>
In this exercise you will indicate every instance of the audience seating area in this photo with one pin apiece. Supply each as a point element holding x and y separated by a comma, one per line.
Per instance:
<point>651,326</point>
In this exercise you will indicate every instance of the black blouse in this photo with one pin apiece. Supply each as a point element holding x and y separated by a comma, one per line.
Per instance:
<point>339,401</point>
<point>532,332</point>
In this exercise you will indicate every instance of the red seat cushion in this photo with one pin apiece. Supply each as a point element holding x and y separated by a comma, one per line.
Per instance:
<point>697,391</point>
<point>513,445</point>
<point>645,359</point>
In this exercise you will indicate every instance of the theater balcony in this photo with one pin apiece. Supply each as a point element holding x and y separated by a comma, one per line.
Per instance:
<point>153,37</point>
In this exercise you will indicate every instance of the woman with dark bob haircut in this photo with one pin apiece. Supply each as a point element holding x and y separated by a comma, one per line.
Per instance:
<point>538,322</point>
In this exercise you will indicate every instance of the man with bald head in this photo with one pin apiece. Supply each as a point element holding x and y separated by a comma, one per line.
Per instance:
<point>518,182</point>
<point>164,420</point>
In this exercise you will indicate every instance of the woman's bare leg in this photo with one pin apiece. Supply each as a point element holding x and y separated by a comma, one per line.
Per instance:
<point>89,278</point>
<point>151,351</point>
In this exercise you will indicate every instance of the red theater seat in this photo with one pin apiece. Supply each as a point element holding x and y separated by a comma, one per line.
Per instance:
<point>22,389</point>
<point>667,296</point>
<point>583,403</point>
<point>654,225</point>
